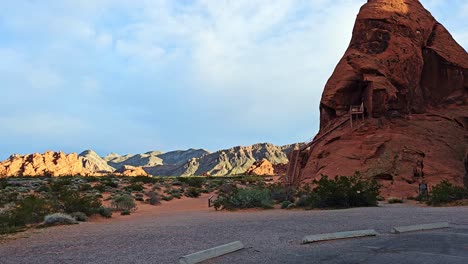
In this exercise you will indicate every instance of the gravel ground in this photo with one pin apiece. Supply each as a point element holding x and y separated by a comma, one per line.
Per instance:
<point>271,236</point>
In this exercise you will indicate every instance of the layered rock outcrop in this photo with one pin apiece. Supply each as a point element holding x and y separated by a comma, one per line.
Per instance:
<point>412,78</point>
<point>236,160</point>
<point>47,164</point>
<point>132,171</point>
<point>261,168</point>
<point>94,163</point>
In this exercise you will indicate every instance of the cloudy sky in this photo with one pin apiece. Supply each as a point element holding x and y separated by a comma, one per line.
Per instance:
<point>130,76</point>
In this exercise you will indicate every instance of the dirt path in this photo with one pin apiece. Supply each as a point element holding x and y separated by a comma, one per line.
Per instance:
<point>185,226</point>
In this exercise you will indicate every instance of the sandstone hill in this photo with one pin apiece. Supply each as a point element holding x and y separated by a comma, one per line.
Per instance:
<point>127,170</point>
<point>50,163</point>
<point>261,167</point>
<point>139,160</point>
<point>94,163</point>
<point>236,160</point>
<point>412,78</point>
<point>189,162</point>
<point>154,158</point>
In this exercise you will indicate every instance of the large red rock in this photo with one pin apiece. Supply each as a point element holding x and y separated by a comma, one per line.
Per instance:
<point>400,61</point>
<point>412,78</point>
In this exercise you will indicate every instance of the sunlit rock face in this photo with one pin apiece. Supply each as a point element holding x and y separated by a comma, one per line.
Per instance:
<point>412,78</point>
<point>400,61</point>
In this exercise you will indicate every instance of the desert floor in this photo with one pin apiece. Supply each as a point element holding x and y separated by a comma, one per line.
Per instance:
<point>164,233</point>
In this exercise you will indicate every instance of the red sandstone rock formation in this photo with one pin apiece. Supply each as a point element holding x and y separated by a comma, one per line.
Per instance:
<point>261,167</point>
<point>127,170</point>
<point>400,61</point>
<point>50,163</point>
<point>412,77</point>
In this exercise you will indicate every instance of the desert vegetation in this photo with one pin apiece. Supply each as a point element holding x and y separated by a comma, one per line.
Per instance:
<point>338,192</point>
<point>30,201</point>
<point>445,193</point>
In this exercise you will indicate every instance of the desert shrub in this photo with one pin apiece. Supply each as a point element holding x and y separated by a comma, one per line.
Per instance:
<point>175,193</point>
<point>29,210</point>
<point>85,187</point>
<point>7,197</point>
<point>285,204</point>
<point>60,184</point>
<point>144,179</point>
<point>125,212</point>
<point>196,182</point>
<point>43,188</point>
<point>280,192</point>
<point>3,184</point>
<point>153,198</point>
<point>394,200</point>
<point>344,192</point>
<point>79,216</point>
<point>446,192</point>
<point>59,219</point>
<point>7,224</point>
<point>134,187</point>
<point>193,192</point>
<point>105,212</point>
<point>167,198</point>
<point>74,201</point>
<point>91,179</point>
<point>123,202</point>
<point>242,198</point>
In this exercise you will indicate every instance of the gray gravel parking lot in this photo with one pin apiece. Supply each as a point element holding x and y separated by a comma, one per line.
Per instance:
<point>271,236</point>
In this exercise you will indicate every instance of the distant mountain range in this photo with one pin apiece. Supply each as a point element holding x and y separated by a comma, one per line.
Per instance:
<point>236,160</point>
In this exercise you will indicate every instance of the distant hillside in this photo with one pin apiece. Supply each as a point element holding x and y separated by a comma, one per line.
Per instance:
<point>94,163</point>
<point>236,160</point>
<point>154,158</point>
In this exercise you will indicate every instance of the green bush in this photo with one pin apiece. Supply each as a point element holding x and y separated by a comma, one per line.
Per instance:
<point>29,210</point>
<point>193,192</point>
<point>285,204</point>
<point>153,198</point>
<point>134,187</point>
<point>125,212</point>
<point>344,192</point>
<point>74,201</point>
<point>196,182</point>
<point>446,192</point>
<point>79,216</point>
<point>394,200</point>
<point>144,179</point>
<point>105,212</point>
<point>281,193</point>
<point>123,202</point>
<point>167,198</point>
<point>242,198</point>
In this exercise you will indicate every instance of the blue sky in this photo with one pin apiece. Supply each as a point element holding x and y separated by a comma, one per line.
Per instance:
<point>131,76</point>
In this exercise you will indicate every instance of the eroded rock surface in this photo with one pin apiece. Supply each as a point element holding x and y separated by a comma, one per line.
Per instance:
<point>412,78</point>
<point>400,61</point>
<point>50,163</point>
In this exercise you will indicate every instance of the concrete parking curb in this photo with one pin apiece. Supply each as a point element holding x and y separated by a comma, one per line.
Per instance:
<point>413,228</point>
<point>211,253</point>
<point>339,235</point>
